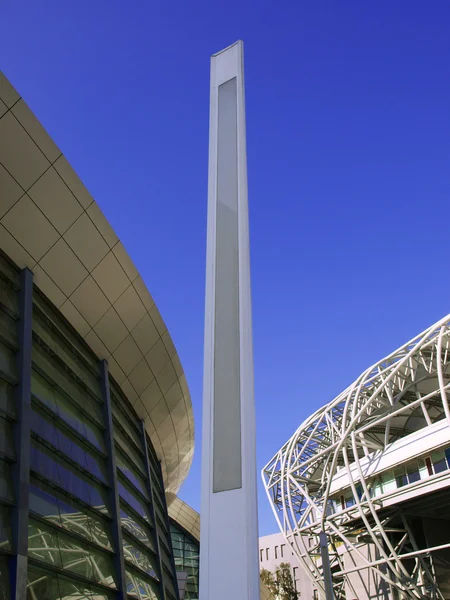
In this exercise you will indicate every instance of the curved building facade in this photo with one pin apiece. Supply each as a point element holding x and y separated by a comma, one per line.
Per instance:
<point>96,422</point>
<point>371,471</point>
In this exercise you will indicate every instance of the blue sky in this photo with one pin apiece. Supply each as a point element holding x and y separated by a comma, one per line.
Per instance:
<point>348,141</point>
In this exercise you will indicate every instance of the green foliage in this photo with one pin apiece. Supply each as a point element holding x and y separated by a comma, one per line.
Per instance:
<point>280,584</point>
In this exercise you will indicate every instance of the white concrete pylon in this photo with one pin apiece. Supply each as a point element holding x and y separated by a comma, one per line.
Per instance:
<point>229,519</point>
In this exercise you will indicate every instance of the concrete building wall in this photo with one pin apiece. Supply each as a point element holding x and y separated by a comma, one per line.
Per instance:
<point>274,550</point>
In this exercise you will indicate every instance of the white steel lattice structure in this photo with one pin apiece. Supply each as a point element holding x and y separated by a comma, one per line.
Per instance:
<point>365,470</point>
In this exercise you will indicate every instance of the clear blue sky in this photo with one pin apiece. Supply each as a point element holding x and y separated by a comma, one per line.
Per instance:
<point>348,114</point>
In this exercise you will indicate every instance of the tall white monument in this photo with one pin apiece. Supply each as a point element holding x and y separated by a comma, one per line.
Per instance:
<point>229,519</point>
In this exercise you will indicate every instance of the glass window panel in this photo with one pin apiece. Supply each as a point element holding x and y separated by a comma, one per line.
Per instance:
<point>43,462</point>
<point>447,456</point>
<point>140,588</point>
<point>44,504</point>
<point>94,434</point>
<point>5,592</point>
<point>142,560</point>
<point>43,543</point>
<point>439,462</point>
<point>75,556</point>
<point>74,590</point>
<point>128,448</point>
<point>42,585</point>
<point>127,469</point>
<point>131,498</point>
<point>71,448</point>
<point>6,438</point>
<point>70,413</point>
<point>103,568</point>
<point>5,528</point>
<point>7,403</point>
<point>44,426</point>
<point>43,390</point>
<point>413,472</point>
<point>7,360</point>
<point>8,296</point>
<point>96,466</point>
<point>6,485</point>
<point>401,477</point>
<point>43,361</point>
<point>138,530</point>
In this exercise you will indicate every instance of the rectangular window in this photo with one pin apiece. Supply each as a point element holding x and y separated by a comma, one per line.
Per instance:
<point>413,472</point>
<point>401,477</point>
<point>439,462</point>
<point>429,465</point>
<point>267,553</point>
<point>276,552</point>
<point>261,555</point>
<point>282,550</point>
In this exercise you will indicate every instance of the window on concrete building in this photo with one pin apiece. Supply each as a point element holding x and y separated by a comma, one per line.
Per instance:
<point>282,550</point>
<point>261,555</point>
<point>439,462</point>
<point>276,552</point>
<point>267,553</point>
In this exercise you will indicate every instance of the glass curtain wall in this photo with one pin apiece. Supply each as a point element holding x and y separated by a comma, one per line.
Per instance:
<point>72,519</point>
<point>186,550</point>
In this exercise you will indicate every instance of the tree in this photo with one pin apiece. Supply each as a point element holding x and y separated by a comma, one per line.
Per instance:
<point>280,585</point>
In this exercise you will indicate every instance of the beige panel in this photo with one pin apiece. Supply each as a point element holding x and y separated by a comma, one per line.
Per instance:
<point>145,334</point>
<point>7,93</point>
<point>73,182</point>
<point>48,286</point>
<point>151,395</point>
<point>129,391</point>
<point>111,277</point>
<point>115,370</point>
<point>141,376</point>
<point>29,122</point>
<point>166,378</point>
<point>72,315</point>
<point>111,330</point>
<point>125,261</point>
<point>128,355</point>
<point>168,344</point>
<point>98,218</point>
<point>90,301</point>
<point>166,429</point>
<point>157,320</point>
<point>10,191</point>
<point>56,201</point>
<point>159,413</point>
<point>30,227</point>
<point>19,154</point>
<point>97,345</point>
<point>14,250</point>
<point>157,357</point>
<point>178,412</point>
<point>87,243</point>
<point>173,396</point>
<point>63,266</point>
<point>143,293</point>
<point>130,308</point>
<point>3,108</point>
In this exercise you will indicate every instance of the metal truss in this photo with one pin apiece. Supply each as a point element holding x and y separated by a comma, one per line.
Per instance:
<point>404,392</point>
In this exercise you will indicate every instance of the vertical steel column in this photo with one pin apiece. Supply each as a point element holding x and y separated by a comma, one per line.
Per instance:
<point>21,468</point>
<point>327,577</point>
<point>152,509</point>
<point>166,513</point>
<point>114,494</point>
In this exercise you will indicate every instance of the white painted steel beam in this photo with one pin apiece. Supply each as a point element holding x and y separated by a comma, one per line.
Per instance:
<point>229,521</point>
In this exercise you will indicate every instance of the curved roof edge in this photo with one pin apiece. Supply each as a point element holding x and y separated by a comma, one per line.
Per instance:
<point>185,515</point>
<point>50,223</point>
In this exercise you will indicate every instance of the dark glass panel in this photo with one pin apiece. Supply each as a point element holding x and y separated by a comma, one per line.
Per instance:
<point>43,543</point>
<point>7,402</point>
<point>7,360</point>
<point>138,587</point>
<point>44,504</point>
<point>145,561</point>
<point>43,390</point>
<point>6,438</point>
<point>5,528</point>
<point>42,585</point>
<point>138,530</point>
<point>6,485</point>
